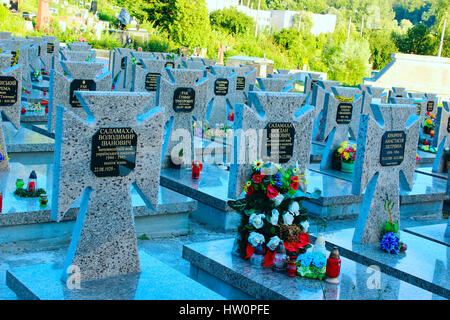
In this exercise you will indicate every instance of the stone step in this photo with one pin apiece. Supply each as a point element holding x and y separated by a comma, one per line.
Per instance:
<point>213,265</point>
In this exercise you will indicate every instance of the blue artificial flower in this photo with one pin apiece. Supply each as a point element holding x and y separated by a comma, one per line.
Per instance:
<point>277,177</point>
<point>390,243</point>
<point>319,260</point>
<point>305,259</point>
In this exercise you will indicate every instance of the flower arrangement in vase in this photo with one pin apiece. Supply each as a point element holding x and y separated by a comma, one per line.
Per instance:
<point>271,213</point>
<point>427,134</point>
<point>347,153</point>
<point>390,241</point>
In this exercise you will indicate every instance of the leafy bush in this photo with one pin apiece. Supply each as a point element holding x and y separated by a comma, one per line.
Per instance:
<point>232,21</point>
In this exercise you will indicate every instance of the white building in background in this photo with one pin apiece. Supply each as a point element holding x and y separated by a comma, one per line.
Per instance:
<point>275,20</point>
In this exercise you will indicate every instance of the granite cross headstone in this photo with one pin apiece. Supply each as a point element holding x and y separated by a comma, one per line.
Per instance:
<point>82,76</point>
<point>385,158</point>
<point>10,99</point>
<point>274,85</point>
<point>183,95</point>
<point>441,136</point>
<point>99,159</point>
<point>221,94</point>
<point>277,129</point>
<point>341,115</point>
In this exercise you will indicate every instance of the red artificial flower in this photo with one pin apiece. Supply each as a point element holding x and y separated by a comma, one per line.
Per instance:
<point>249,190</point>
<point>257,178</point>
<point>271,192</point>
<point>303,240</point>
<point>294,185</point>
<point>231,116</point>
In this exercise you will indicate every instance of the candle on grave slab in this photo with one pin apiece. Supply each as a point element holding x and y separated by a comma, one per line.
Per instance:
<point>32,181</point>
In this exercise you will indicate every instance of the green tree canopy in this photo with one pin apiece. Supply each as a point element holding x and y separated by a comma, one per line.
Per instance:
<point>232,21</point>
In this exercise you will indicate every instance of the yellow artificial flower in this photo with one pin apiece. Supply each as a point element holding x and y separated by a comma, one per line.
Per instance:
<point>257,164</point>
<point>346,155</point>
<point>341,149</point>
<point>248,183</point>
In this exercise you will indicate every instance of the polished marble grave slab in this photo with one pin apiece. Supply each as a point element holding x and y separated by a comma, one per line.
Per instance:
<point>156,281</point>
<point>424,264</point>
<point>27,211</point>
<point>434,232</point>
<point>428,170</point>
<point>213,265</point>
<point>25,139</point>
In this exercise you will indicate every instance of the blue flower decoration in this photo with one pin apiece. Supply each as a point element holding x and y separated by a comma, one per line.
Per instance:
<point>390,243</point>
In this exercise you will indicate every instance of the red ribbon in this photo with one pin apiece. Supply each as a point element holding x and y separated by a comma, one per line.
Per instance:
<point>249,251</point>
<point>268,258</point>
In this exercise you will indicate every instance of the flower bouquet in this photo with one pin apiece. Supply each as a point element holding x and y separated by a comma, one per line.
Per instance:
<point>427,135</point>
<point>312,265</point>
<point>390,241</point>
<point>347,153</point>
<point>271,212</point>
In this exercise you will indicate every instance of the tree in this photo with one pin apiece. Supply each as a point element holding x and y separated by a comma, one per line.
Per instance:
<point>186,21</point>
<point>381,48</point>
<point>350,63</point>
<point>232,21</point>
<point>418,40</point>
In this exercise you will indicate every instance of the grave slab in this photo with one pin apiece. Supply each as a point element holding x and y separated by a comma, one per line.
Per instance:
<point>26,140</point>
<point>435,232</point>
<point>424,264</point>
<point>213,265</point>
<point>156,281</point>
<point>24,218</point>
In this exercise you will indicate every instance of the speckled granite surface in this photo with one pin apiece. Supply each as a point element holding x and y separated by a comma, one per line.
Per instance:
<point>425,263</point>
<point>216,259</point>
<point>156,281</point>
<point>434,232</point>
<point>22,211</point>
<point>26,140</point>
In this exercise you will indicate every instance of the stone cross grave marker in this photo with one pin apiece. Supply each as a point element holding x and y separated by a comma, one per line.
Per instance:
<point>310,80</point>
<point>419,103</point>
<point>10,99</point>
<point>245,77</point>
<point>5,35</point>
<point>341,114</point>
<point>99,159</point>
<point>79,46</point>
<point>277,129</point>
<point>415,95</point>
<point>372,95</point>
<point>317,98</point>
<point>122,69</point>
<point>147,73</point>
<point>398,92</point>
<point>19,50</point>
<point>49,52</point>
<point>194,64</point>
<point>431,103</point>
<point>441,136</point>
<point>82,56</point>
<point>183,95</point>
<point>385,158</point>
<point>82,76</point>
<point>221,94</point>
<point>274,85</point>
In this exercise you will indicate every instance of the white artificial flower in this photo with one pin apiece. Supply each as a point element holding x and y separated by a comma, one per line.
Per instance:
<point>278,199</point>
<point>256,238</point>
<point>274,217</point>
<point>273,243</point>
<point>288,218</point>
<point>257,220</point>
<point>305,225</point>
<point>294,208</point>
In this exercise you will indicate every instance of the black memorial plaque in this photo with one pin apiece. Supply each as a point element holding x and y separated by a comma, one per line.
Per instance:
<point>113,152</point>
<point>50,48</point>
<point>312,84</point>
<point>169,64</point>
<point>286,139</point>
<point>39,51</point>
<point>183,100</point>
<point>221,87</point>
<point>151,81</point>
<point>392,148</point>
<point>240,83</point>
<point>80,85</point>
<point>8,91</point>
<point>448,124</point>
<point>430,106</point>
<point>419,108</point>
<point>123,63</point>
<point>344,113</point>
<point>14,58</point>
